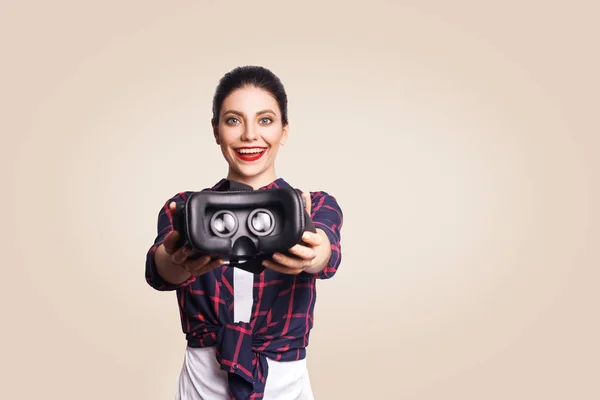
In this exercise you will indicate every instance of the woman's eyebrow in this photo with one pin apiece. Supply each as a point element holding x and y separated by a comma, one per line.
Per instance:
<point>233,112</point>
<point>265,111</point>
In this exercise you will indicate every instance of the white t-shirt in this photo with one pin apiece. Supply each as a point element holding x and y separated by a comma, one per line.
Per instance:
<point>201,377</point>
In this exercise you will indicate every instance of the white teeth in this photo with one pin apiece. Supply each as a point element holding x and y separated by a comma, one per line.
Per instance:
<point>250,151</point>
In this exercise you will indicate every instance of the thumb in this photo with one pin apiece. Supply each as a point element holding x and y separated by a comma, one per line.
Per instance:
<point>170,242</point>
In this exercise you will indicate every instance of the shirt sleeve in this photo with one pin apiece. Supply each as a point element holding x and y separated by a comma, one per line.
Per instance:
<point>327,215</point>
<point>164,226</point>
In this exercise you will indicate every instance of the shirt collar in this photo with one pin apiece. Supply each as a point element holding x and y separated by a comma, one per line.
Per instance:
<point>225,185</point>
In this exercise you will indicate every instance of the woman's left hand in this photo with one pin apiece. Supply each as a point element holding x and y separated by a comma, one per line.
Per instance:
<point>309,256</point>
<point>302,256</point>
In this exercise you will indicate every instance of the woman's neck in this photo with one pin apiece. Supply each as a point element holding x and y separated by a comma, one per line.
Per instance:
<point>256,181</point>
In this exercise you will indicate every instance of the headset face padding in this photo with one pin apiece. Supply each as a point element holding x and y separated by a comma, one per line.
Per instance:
<point>242,226</point>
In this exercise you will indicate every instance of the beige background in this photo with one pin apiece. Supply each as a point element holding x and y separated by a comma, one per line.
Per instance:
<point>460,139</point>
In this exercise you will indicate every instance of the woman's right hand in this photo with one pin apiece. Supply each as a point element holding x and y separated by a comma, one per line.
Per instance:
<point>180,257</point>
<point>174,264</point>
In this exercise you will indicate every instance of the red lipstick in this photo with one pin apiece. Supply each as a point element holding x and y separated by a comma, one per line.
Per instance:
<point>250,156</point>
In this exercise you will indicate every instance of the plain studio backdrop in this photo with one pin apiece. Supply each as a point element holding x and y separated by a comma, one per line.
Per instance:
<point>459,138</point>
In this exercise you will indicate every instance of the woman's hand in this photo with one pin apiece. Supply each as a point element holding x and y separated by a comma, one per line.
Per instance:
<point>174,264</point>
<point>180,257</point>
<point>303,256</point>
<point>310,256</point>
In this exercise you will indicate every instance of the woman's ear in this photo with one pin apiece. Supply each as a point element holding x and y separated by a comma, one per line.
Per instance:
<point>284,136</point>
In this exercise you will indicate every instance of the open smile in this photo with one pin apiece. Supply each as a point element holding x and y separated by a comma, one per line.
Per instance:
<point>250,153</point>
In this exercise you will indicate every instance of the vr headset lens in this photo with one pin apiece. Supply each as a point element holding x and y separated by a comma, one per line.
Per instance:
<point>223,223</point>
<point>261,222</point>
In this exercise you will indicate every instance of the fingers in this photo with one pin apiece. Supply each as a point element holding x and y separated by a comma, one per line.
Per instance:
<point>206,266</point>
<point>284,269</point>
<point>197,263</point>
<point>287,261</point>
<point>170,242</point>
<point>299,258</point>
<point>180,256</point>
<point>287,264</point>
<point>304,253</point>
<point>195,267</point>
<point>312,239</point>
<point>172,237</point>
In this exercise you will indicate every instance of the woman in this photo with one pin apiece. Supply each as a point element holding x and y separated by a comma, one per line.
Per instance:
<point>247,333</point>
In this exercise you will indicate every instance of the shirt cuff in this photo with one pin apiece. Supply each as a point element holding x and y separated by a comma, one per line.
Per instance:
<point>336,255</point>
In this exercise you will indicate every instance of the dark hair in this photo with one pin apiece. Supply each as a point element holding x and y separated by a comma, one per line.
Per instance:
<point>250,75</point>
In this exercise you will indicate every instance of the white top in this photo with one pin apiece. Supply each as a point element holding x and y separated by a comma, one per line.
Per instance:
<point>201,377</point>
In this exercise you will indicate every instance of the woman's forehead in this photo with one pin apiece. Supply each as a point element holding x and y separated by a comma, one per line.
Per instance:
<point>250,99</point>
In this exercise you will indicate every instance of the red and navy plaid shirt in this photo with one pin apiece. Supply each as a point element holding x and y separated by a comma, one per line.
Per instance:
<point>282,311</point>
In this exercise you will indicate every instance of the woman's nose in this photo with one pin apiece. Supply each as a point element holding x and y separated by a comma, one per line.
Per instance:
<point>249,132</point>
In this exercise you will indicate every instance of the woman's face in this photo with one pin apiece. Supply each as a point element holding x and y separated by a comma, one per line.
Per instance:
<point>250,131</point>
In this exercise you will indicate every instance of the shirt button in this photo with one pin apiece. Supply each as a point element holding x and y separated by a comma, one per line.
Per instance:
<point>235,367</point>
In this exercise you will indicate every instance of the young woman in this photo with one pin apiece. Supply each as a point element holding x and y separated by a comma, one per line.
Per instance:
<point>247,333</point>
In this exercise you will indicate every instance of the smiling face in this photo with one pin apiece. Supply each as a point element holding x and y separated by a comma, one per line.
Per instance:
<point>250,130</point>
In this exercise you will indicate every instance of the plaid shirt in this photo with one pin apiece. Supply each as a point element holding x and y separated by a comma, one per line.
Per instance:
<point>282,311</point>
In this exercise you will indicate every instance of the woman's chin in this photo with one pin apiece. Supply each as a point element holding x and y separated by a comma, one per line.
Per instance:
<point>251,171</point>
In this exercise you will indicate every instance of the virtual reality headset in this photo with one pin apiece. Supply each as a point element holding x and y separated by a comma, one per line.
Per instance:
<point>242,227</point>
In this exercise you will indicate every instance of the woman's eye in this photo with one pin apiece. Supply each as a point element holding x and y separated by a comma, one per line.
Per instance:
<point>232,121</point>
<point>266,121</point>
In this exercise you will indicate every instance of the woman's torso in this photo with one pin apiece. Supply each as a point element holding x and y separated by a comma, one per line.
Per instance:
<point>202,378</point>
